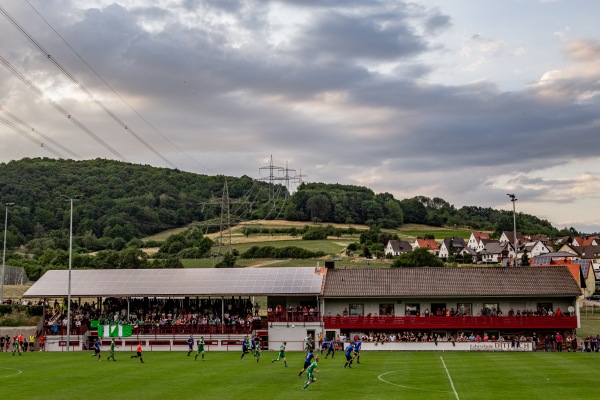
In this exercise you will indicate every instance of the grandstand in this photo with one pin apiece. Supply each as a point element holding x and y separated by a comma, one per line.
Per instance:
<point>166,306</point>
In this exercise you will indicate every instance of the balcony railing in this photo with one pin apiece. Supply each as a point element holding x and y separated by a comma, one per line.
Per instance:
<point>294,316</point>
<point>465,322</point>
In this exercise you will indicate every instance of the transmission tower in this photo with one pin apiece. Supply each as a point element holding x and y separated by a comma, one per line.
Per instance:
<point>224,222</point>
<point>271,177</point>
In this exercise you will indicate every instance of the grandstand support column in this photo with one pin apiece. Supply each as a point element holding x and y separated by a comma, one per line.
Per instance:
<point>128,310</point>
<point>222,309</point>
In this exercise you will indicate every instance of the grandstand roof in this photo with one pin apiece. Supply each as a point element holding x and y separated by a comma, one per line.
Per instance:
<point>433,282</point>
<point>180,282</point>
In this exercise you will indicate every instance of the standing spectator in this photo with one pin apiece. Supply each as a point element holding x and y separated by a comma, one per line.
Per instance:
<point>1,343</point>
<point>559,341</point>
<point>42,342</point>
<point>31,342</point>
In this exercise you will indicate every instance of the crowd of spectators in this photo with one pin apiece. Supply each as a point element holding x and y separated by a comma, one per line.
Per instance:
<point>184,315</point>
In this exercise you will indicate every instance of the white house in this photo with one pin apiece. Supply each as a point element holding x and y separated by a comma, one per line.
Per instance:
<point>397,247</point>
<point>475,239</point>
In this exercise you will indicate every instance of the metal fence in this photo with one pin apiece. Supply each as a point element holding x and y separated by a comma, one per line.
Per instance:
<point>15,276</point>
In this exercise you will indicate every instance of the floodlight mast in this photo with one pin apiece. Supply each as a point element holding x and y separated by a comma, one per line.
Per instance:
<point>513,199</point>
<point>70,199</point>
<point>6,205</point>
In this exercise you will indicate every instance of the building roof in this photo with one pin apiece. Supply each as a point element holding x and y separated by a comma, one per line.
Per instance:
<point>480,235</point>
<point>400,246</point>
<point>438,282</point>
<point>430,244</point>
<point>180,282</point>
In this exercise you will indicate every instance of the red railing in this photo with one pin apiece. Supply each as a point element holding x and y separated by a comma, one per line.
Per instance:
<point>431,323</point>
<point>294,316</point>
<point>192,329</point>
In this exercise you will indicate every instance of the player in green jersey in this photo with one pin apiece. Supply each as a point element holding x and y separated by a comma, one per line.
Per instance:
<point>310,372</point>
<point>257,351</point>
<point>112,350</point>
<point>281,354</point>
<point>200,344</point>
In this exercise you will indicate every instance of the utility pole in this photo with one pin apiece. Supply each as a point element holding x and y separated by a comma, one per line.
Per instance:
<point>513,199</point>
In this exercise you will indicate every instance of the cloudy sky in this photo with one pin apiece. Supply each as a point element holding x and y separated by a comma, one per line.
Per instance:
<point>458,99</point>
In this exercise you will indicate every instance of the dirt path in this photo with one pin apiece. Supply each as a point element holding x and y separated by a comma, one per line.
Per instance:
<point>264,264</point>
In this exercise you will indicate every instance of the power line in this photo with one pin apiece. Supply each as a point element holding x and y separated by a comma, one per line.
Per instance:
<point>109,112</point>
<point>117,94</point>
<point>61,110</point>
<point>32,129</point>
<point>30,138</point>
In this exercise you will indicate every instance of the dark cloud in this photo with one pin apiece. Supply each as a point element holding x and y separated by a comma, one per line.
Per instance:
<point>379,37</point>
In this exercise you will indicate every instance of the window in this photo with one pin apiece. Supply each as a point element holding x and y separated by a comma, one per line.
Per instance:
<point>464,309</point>
<point>386,309</point>
<point>412,309</point>
<point>357,310</point>
<point>543,308</point>
<point>490,309</point>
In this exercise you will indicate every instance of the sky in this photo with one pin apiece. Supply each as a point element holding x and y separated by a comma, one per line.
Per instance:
<point>459,99</point>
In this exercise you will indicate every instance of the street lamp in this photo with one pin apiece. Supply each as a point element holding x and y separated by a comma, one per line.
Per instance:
<point>70,199</point>
<point>6,205</point>
<point>514,200</point>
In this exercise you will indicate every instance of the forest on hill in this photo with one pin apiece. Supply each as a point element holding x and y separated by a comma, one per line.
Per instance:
<point>121,203</point>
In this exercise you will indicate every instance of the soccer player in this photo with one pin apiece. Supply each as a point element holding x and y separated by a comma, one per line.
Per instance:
<point>42,343</point>
<point>97,349</point>
<point>310,372</point>
<point>245,345</point>
<point>139,353</point>
<point>307,361</point>
<point>331,349</point>
<point>357,345</point>
<point>281,355</point>
<point>324,344</point>
<point>16,346</point>
<point>200,348</point>
<point>190,342</point>
<point>257,349</point>
<point>309,344</point>
<point>112,350</point>
<point>349,353</point>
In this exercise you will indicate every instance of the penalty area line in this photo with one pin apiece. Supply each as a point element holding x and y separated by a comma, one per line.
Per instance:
<point>450,379</point>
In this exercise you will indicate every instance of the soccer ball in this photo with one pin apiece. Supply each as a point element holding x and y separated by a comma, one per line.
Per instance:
<point>293,326</point>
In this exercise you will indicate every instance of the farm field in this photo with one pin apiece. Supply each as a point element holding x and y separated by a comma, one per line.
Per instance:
<point>381,375</point>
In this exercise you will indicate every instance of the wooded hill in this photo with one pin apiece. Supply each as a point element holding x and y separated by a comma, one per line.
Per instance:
<point>123,202</point>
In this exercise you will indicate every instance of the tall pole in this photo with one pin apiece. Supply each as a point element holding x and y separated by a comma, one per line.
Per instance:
<point>70,199</point>
<point>6,205</point>
<point>513,199</point>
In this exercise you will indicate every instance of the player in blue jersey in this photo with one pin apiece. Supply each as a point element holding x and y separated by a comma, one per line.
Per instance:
<point>245,346</point>
<point>357,345</point>
<point>324,345</point>
<point>190,343</point>
<point>307,361</point>
<point>97,349</point>
<point>330,349</point>
<point>349,354</point>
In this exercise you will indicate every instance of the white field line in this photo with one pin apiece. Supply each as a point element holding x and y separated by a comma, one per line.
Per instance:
<point>450,378</point>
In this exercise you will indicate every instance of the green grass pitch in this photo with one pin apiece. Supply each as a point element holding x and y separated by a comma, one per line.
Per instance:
<point>380,375</point>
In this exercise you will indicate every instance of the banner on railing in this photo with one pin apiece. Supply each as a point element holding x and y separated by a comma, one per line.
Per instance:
<point>106,331</point>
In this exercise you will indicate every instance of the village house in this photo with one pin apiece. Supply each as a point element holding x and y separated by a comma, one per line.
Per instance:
<point>396,247</point>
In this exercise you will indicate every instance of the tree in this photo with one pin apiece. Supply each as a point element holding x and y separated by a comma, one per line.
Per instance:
<point>525,260</point>
<point>420,257</point>
<point>227,262</point>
